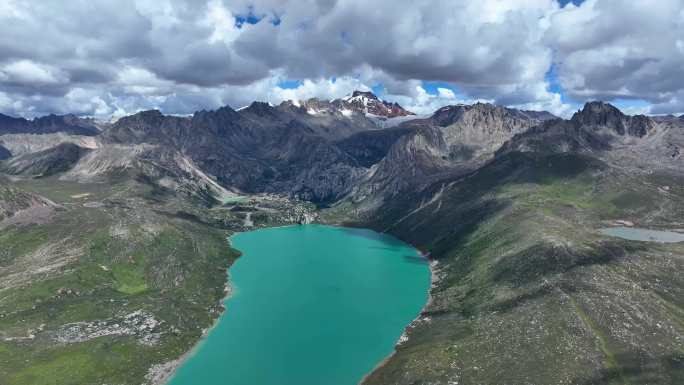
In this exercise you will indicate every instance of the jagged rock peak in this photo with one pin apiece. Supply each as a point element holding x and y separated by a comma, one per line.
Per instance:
<point>366,94</point>
<point>601,114</point>
<point>260,108</point>
<point>225,112</point>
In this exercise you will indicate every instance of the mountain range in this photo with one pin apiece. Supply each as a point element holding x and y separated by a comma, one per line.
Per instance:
<point>505,203</point>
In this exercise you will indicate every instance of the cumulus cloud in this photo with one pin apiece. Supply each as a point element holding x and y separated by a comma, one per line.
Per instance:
<point>105,57</point>
<point>26,72</point>
<point>608,49</point>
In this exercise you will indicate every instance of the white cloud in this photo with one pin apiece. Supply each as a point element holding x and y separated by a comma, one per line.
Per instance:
<point>609,49</point>
<point>421,102</point>
<point>320,88</point>
<point>12,9</point>
<point>222,21</point>
<point>136,80</point>
<point>5,101</point>
<point>183,54</point>
<point>31,73</point>
<point>446,93</point>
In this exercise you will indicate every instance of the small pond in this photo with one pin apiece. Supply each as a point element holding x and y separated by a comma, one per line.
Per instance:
<point>636,234</point>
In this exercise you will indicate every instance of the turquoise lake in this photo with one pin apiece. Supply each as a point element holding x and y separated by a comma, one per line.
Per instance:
<point>311,305</point>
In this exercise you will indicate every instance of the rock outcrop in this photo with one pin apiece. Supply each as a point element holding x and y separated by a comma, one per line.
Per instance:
<point>597,115</point>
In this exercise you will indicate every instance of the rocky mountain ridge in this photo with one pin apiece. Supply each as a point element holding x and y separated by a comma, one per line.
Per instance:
<point>325,151</point>
<point>455,140</point>
<point>601,130</point>
<point>505,203</point>
<point>70,124</point>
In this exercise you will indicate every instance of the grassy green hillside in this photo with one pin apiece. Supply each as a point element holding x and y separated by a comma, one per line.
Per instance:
<point>72,278</point>
<point>528,292</point>
<point>99,282</point>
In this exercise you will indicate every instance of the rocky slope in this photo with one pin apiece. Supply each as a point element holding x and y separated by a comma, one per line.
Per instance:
<point>255,150</point>
<point>453,141</point>
<point>601,130</point>
<point>527,290</point>
<point>20,144</point>
<point>44,163</point>
<point>104,281</point>
<point>14,202</point>
<point>120,241</point>
<point>263,148</point>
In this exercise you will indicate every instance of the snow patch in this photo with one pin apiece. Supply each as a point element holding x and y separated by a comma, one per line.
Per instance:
<point>384,122</point>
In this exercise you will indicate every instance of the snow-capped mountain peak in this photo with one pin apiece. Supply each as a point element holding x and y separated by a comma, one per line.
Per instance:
<point>359,102</point>
<point>368,103</point>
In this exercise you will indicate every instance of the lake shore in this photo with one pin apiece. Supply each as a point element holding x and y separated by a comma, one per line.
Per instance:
<point>163,373</point>
<point>434,280</point>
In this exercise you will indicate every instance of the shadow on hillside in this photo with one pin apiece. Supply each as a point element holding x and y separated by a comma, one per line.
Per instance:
<point>666,369</point>
<point>541,260</point>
